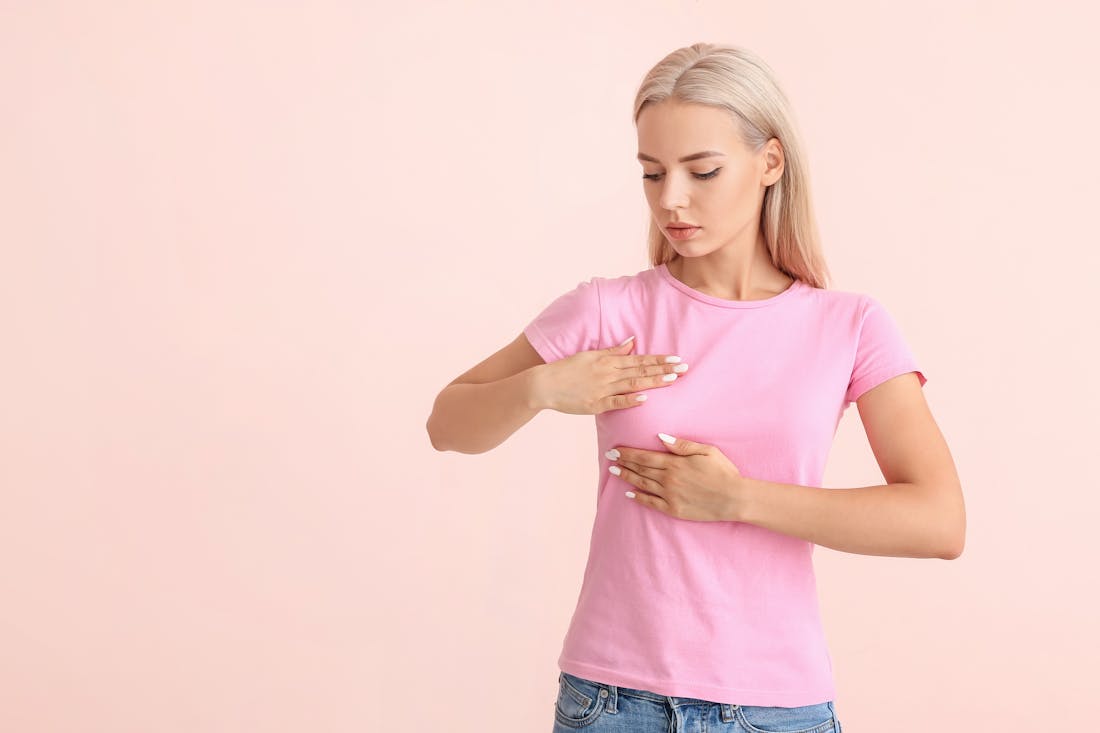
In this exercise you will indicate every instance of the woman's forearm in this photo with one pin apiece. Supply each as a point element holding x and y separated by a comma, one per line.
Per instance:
<point>475,418</point>
<point>896,520</point>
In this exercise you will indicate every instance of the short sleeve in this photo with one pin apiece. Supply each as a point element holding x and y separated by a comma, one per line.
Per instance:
<point>569,324</point>
<point>881,352</point>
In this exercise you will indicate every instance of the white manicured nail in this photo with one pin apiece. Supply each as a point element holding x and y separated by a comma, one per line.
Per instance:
<point>669,377</point>
<point>672,359</point>
<point>615,470</point>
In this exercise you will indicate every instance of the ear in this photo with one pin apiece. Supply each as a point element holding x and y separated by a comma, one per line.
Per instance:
<point>774,162</point>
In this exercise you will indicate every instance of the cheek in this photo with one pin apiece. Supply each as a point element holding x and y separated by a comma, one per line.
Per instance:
<point>735,188</point>
<point>732,195</point>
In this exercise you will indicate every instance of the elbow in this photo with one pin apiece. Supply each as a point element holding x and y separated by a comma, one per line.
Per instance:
<point>958,549</point>
<point>955,548</point>
<point>951,520</point>
<point>442,447</point>
<point>953,553</point>
<point>432,438</point>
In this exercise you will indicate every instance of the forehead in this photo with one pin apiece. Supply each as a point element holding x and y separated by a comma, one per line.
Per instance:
<point>669,130</point>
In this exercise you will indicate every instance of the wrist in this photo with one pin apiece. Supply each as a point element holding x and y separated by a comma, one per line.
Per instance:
<point>741,496</point>
<point>536,389</point>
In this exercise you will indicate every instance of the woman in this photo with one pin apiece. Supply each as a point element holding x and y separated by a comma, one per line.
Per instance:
<point>714,419</point>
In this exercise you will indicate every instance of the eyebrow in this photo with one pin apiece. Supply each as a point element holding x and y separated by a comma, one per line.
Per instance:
<point>686,158</point>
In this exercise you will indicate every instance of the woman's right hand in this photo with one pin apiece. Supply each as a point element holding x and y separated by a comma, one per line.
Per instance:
<point>591,382</point>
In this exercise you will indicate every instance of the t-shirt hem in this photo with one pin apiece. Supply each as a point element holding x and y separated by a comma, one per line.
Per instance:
<point>541,344</point>
<point>789,698</point>
<point>877,377</point>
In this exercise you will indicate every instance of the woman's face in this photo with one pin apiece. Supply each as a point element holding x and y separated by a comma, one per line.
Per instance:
<point>721,193</point>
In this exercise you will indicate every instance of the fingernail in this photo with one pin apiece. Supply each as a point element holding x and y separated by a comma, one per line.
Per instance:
<point>672,360</point>
<point>613,454</point>
<point>615,470</point>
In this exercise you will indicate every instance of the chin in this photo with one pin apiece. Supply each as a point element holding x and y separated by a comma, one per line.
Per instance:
<point>684,249</point>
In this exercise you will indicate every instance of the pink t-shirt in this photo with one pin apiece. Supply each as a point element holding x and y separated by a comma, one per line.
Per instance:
<point>722,611</point>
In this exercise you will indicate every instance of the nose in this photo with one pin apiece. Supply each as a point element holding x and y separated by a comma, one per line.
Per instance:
<point>673,194</point>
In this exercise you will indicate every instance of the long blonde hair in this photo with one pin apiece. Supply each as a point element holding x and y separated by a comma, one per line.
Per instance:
<point>740,82</point>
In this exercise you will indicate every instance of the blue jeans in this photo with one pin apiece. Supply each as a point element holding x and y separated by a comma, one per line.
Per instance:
<point>605,708</point>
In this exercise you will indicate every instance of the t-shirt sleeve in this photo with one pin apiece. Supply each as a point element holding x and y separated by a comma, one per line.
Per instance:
<point>569,324</point>
<point>881,352</point>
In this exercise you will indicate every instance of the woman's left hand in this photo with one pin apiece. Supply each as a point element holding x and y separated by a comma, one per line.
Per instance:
<point>689,481</point>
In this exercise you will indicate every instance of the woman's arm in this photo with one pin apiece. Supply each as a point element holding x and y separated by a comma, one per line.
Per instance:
<point>482,407</point>
<point>920,511</point>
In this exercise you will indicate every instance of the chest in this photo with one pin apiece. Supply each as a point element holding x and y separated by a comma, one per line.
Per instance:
<point>750,386</point>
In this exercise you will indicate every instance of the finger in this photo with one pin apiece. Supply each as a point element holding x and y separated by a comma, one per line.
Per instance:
<point>627,361</point>
<point>649,500</point>
<point>622,401</point>
<point>646,370</point>
<point>682,446</point>
<point>621,349</point>
<point>650,472</point>
<point>658,376</point>
<point>645,483</point>
<point>656,460</point>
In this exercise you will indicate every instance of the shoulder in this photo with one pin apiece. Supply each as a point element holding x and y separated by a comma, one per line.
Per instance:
<point>594,290</point>
<point>847,305</point>
<point>617,286</point>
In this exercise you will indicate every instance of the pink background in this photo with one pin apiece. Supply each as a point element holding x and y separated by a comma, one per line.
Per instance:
<point>246,244</point>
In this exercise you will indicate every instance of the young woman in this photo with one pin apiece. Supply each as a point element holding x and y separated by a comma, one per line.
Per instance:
<point>717,378</point>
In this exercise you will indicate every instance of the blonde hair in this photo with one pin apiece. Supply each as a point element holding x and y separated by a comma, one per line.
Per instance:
<point>740,82</point>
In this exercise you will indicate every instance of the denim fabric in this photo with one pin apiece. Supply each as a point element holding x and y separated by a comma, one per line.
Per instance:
<point>604,708</point>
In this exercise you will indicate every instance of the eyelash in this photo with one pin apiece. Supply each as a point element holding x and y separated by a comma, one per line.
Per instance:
<point>700,176</point>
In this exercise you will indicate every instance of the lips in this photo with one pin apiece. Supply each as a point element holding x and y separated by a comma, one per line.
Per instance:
<point>682,233</point>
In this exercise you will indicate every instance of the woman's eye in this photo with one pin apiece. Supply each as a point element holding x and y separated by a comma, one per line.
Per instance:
<point>700,176</point>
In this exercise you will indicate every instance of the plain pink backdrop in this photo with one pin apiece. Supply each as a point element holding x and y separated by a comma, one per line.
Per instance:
<point>246,244</point>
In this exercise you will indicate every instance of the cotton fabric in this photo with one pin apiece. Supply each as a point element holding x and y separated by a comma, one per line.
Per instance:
<point>721,611</point>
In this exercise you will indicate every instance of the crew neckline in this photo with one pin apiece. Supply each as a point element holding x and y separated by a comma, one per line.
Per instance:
<point>669,278</point>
